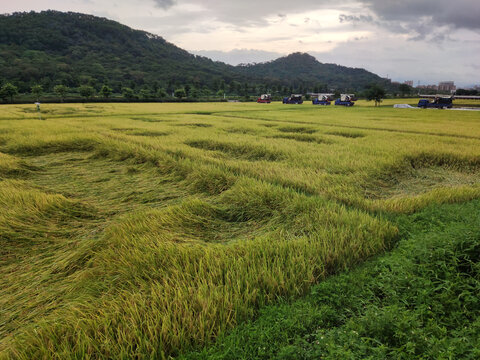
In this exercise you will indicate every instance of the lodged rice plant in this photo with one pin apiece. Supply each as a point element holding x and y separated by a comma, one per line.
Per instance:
<point>146,230</point>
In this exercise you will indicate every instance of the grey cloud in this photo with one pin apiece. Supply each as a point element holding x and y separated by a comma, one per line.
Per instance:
<point>407,60</point>
<point>165,4</point>
<point>355,19</point>
<point>425,20</point>
<point>457,14</point>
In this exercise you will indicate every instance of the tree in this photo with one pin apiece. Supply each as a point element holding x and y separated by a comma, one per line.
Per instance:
<point>405,89</point>
<point>194,93</point>
<point>128,93</point>
<point>37,90</point>
<point>61,90</point>
<point>145,94</point>
<point>161,93</point>
<point>106,91</point>
<point>180,93</point>
<point>86,91</point>
<point>155,86</point>
<point>245,89</point>
<point>188,88</point>
<point>375,92</point>
<point>170,88</point>
<point>9,91</point>
<point>466,92</point>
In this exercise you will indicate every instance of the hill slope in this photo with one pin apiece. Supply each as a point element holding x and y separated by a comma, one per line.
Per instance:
<point>300,68</point>
<point>72,49</point>
<point>52,48</point>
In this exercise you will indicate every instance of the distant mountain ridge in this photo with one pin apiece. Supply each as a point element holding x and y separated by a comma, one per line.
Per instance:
<point>302,68</point>
<point>53,47</point>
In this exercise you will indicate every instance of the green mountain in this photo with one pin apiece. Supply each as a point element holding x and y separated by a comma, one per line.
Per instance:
<point>301,68</point>
<point>53,47</point>
<point>73,49</point>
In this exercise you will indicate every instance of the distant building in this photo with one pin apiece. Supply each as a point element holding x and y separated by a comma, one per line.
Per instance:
<point>443,86</point>
<point>447,86</point>
<point>409,83</point>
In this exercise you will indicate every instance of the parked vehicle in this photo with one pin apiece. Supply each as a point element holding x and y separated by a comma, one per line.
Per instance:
<point>444,102</point>
<point>321,99</point>
<point>346,100</point>
<point>265,99</point>
<point>293,99</point>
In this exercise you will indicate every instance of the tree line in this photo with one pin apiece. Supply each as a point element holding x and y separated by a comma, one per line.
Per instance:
<point>62,93</point>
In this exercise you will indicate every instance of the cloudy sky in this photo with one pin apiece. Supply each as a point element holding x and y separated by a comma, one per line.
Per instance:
<point>426,41</point>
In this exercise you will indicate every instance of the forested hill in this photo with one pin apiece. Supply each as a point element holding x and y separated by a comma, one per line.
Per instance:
<point>70,48</point>
<point>302,68</point>
<point>73,49</point>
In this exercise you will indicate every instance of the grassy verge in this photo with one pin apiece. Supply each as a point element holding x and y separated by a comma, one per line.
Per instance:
<point>419,301</point>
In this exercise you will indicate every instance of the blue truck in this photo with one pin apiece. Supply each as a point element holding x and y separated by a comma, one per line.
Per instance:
<point>345,100</point>
<point>438,103</point>
<point>293,99</point>
<point>321,99</point>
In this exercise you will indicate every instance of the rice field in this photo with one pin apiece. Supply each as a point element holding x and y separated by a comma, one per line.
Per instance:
<point>146,230</point>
